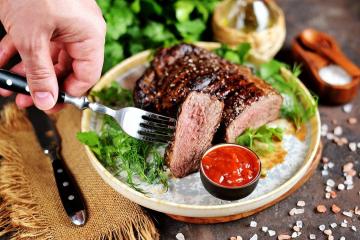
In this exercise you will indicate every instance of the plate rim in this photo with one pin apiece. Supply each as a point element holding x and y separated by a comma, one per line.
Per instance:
<point>186,209</point>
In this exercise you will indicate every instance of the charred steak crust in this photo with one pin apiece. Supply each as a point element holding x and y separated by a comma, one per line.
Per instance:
<point>199,118</point>
<point>176,71</point>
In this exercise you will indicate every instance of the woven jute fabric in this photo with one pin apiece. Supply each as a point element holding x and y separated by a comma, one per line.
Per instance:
<point>30,207</point>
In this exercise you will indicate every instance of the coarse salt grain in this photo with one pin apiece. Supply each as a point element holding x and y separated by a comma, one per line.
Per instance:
<point>254,237</point>
<point>322,227</point>
<point>312,236</point>
<point>342,238</point>
<point>343,224</point>
<point>299,223</point>
<point>330,183</point>
<point>338,131</point>
<point>341,186</point>
<point>296,211</point>
<point>348,214</point>
<point>328,189</point>
<point>353,228</point>
<point>253,224</point>
<point>324,172</point>
<point>264,229</point>
<point>294,235</point>
<point>271,233</point>
<point>333,225</point>
<point>300,203</point>
<point>352,146</point>
<point>347,108</point>
<point>328,232</point>
<point>180,236</point>
<point>331,165</point>
<point>239,238</point>
<point>327,195</point>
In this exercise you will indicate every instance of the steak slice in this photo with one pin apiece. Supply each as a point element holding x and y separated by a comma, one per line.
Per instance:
<point>198,120</point>
<point>253,106</point>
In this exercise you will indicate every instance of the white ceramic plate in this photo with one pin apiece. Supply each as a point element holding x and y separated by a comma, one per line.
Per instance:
<point>186,196</point>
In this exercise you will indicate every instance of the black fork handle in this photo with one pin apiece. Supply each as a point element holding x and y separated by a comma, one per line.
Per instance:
<point>16,83</point>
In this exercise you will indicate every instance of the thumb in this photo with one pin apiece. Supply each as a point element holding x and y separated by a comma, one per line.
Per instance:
<point>40,73</point>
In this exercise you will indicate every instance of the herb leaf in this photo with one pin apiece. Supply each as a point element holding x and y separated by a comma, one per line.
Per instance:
<point>236,55</point>
<point>260,140</point>
<point>119,152</point>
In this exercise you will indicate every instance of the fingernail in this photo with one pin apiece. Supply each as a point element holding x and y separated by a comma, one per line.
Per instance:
<point>44,100</point>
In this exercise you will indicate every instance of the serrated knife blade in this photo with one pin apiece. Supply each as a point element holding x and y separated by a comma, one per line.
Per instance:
<point>50,142</point>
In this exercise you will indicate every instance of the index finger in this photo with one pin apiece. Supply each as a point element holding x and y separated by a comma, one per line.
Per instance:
<point>88,58</point>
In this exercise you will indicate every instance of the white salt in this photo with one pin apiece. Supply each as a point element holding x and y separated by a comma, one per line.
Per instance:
<point>334,74</point>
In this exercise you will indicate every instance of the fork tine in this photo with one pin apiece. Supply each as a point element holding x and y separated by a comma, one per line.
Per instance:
<point>153,138</point>
<point>151,131</point>
<point>161,126</point>
<point>155,116</point>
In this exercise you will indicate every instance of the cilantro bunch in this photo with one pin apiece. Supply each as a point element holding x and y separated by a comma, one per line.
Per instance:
<point>136,25</point>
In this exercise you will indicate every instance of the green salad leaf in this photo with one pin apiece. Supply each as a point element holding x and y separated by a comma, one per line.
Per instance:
<point>118,151</point>
<point>260,140</point>
<point>296,107</point>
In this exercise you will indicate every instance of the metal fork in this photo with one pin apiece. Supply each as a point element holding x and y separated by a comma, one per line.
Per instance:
<point>136,122</point>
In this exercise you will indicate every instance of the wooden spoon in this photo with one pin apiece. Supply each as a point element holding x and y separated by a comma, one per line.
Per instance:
<point>317,50</point>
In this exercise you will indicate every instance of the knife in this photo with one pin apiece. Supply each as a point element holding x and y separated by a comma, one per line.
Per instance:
<point>50,142</point>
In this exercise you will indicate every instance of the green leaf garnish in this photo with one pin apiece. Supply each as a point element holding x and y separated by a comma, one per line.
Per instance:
<point>260,140</point>
<point>119,152</point>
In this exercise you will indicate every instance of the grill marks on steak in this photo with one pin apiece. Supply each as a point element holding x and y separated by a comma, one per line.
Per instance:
<point>176,72</point>
<point>199,118</point>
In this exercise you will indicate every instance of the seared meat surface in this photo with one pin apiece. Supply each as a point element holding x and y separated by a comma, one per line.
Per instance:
<point>176,72</point>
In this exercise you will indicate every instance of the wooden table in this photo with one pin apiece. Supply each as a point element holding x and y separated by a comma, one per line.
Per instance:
<point>341,19</point>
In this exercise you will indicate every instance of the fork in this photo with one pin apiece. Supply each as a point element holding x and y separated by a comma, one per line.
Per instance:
<point>135,122</point>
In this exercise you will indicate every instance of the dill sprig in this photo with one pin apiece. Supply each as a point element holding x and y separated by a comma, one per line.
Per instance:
<point>121,153</point>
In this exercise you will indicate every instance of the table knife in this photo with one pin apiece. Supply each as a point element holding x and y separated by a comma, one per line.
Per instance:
<point>50,142</point>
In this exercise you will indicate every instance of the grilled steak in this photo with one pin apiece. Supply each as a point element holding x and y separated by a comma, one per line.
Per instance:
<point>199,117</point>
<point>178,71</point>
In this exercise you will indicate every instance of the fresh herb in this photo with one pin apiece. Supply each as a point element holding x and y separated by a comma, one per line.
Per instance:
<point>236,55</point>
<point>121,153</point>
<point>296,107</point>
<point>260,140</point>
<point>136,25</point>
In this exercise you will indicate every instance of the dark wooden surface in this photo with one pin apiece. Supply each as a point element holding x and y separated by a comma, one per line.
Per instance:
<point>341,19</point>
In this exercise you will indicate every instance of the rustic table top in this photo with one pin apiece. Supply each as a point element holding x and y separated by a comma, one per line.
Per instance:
<point>340,19</point>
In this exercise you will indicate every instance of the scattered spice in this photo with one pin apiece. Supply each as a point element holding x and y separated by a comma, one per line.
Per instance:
<point>253,224</point>
<point>335,208</point>
<point>347,108</point>
<point>328,232</point>
<point>352,121</point>
<point>300,203</point>
<point>180,236</point>
<point>284,237</point>
<point>321,208</point>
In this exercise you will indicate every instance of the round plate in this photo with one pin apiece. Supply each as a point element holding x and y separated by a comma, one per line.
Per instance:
<point>186,196</point>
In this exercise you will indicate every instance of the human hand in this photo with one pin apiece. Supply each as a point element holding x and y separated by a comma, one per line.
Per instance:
<point>55,39</point>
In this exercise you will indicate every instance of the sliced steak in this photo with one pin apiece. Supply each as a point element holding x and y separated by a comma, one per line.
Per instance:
<point>198,120</point>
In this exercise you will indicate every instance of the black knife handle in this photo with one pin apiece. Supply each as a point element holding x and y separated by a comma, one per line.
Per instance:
<point>68,190</point>
<point>16,83</point>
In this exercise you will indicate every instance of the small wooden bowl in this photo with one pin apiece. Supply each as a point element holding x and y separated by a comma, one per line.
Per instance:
<point>265,44</point>
<point>316,50</point>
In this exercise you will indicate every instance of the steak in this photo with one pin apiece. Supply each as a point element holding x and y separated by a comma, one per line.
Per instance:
<point>199,118</point>
<point>176,72</point>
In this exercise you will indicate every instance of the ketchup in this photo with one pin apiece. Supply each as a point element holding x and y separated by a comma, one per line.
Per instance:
<point>231,166</point>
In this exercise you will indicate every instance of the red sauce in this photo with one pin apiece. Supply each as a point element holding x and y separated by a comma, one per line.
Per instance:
<point>231,166</point>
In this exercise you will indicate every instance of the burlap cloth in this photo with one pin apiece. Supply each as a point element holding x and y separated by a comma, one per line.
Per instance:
<point>30,207</point>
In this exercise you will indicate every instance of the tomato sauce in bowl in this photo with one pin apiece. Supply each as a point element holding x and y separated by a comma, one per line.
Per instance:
<point>227,167</point>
